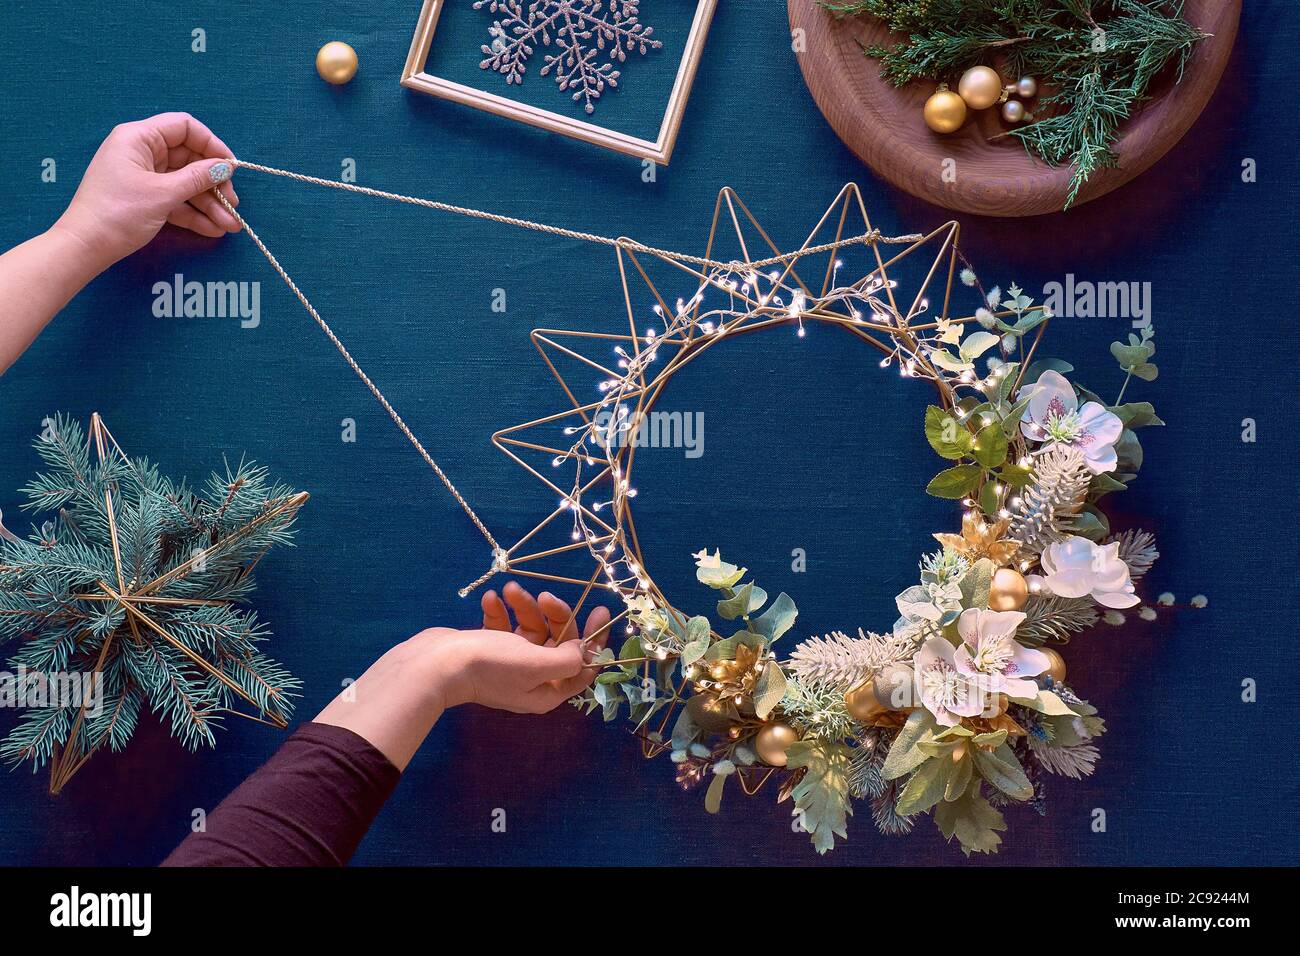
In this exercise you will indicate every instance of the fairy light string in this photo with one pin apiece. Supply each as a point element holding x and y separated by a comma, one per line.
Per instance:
<point>756,293</point>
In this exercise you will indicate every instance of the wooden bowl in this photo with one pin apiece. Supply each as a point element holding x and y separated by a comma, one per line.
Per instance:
<point>884,127</point>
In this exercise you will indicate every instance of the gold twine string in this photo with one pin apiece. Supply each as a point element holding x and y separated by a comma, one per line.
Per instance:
<point>866,238</point>
<point>500,557</point>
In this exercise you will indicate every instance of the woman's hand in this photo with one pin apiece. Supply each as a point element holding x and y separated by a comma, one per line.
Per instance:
<point>147,173</point>
<point>529,669</point>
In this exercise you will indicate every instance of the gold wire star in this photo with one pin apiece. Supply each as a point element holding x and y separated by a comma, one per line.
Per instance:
<point>749,286</point>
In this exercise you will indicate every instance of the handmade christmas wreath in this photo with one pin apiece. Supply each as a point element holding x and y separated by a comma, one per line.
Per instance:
<point>961,708</point>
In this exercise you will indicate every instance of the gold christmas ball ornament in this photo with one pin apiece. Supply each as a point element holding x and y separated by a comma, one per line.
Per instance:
<point>861,703</point>
<point>1009,590</point>
<point>712,713</point>
<point>945,111</point>
<point>893,686</point>
<point>1013,111</point>
<point>772,742</point>
<point>336,62</point>
<point>1056,669</point>
<point>980,87</point>
<point>1027,87</point>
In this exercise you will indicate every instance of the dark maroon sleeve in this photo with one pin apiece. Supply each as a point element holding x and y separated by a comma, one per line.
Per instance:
<point>309,805</point>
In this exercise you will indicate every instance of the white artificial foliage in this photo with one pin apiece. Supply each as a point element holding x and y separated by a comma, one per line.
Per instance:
<point>842,661</point>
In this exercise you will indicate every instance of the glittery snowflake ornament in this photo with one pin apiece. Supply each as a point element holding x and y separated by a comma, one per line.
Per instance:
<point>591,36</point>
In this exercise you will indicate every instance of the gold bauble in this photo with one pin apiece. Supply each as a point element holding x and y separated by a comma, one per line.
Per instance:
<point>1009,590</point>
<point>893,686</point>
<point>945,111</point>
<point>980,87</point>
<point>1056,669</point>
<point>772,742</point>
<point>336,62</point>
<point>712,713</point>
<point>861,703</point>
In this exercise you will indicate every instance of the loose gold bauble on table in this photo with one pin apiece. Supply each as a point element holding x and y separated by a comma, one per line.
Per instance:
<point>1009,590</point>
<point>1056,669</point>
<point>772,742</point>
<point>980,87</point>
<point>336,62</point>
<point>945,111</point>
<point>861,703</point>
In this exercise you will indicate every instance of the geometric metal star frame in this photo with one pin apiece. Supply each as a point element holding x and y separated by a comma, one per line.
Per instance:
<point>872,308</point>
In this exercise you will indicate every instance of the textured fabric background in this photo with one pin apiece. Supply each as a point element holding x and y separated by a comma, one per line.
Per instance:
<point>808,443</point>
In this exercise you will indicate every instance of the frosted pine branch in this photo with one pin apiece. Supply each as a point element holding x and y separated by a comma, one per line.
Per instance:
<point>1075,762</point>
<point>1137,549</point>
<point>842,661</point>
<point>1052,618</point>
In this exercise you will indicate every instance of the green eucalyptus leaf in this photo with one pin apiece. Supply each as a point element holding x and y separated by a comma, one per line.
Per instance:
<point>949,362</point>
<point>976,344</point>
<point>738,604</point>
<point>1036,369</point>
<point>1090,523</point>
<point>777,619</point>
<point>1136,414</point>
<point>1146,371</point>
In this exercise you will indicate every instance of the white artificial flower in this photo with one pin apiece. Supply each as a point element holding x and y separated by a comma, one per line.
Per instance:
<point>1077,567</point>
<point>943,690</point>
<point>990,656</point>
<point>1053,415</point>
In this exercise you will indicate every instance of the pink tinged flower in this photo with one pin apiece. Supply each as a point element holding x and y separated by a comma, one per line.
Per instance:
<point>1077,567</point>
<point>1053,415</point>
<point>943,690</point>
<point>992,658</point>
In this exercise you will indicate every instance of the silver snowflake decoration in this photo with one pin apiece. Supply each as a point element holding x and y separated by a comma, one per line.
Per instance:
<point>590,35</point>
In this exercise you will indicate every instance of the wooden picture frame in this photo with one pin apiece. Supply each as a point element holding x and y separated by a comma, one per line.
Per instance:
<point>414,77</point>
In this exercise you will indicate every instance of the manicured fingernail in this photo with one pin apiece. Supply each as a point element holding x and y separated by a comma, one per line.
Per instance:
<point>219,173</point>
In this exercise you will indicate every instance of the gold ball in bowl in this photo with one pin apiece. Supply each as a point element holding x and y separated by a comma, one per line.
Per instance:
<point>945,111</point>
<point>1009,590</point>
<point>336,62</point>
<point>980,87</point>
<point>773,741</point>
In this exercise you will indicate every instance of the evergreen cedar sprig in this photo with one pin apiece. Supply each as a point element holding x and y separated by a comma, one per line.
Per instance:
<point>1097,57</point>
<point>161,526</point>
